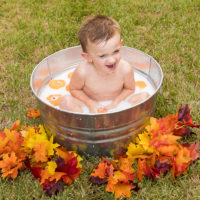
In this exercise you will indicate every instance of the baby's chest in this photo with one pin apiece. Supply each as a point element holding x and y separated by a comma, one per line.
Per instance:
<point>95,85</point>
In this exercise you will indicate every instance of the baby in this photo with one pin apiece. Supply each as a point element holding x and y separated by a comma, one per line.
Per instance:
<point>103,75</point>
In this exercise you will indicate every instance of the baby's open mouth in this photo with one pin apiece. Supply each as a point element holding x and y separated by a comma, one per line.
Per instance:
<point>111,66</point>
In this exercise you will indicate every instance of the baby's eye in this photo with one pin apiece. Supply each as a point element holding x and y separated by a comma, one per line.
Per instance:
<point>116,51</point>
<point>102,56</point>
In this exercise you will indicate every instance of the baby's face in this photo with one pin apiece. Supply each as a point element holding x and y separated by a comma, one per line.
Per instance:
<point>105,56</point>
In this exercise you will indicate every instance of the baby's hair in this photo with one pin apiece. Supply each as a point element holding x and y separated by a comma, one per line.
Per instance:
<point>96,29</point>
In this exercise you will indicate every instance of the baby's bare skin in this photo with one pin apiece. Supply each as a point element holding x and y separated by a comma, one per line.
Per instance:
<point>103,76</point>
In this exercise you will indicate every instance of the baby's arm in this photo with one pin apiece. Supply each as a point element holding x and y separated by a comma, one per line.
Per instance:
<point>76,89</point>
<point>128,87</point>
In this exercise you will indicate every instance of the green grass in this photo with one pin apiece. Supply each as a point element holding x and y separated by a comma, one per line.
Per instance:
<point>166,30</point>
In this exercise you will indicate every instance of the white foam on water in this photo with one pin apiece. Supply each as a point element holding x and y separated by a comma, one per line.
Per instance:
<point>47,91</point>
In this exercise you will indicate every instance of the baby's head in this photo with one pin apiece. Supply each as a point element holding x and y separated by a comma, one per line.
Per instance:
<point>97,29</point>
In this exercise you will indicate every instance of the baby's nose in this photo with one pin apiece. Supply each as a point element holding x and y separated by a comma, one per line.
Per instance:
<point>111,60</point>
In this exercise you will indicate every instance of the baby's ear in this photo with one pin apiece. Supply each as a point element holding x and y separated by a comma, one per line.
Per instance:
<point>86,56</point>
<point>121,42</point>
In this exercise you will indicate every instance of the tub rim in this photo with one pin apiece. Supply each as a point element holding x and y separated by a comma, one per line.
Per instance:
<point>95,114</point>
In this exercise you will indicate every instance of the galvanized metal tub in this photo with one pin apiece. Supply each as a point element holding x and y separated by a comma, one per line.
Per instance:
<point>95,134</point>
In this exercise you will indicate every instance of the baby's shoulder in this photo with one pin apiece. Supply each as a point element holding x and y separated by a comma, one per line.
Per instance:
<point>82,69</point>
<point>125,67</point>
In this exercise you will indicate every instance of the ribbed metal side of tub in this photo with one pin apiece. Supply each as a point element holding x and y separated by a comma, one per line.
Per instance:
<point>106,134</point>
<point>100,134</point>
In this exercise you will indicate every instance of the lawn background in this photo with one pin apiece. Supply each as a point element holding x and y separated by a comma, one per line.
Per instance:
<point>167,30</point>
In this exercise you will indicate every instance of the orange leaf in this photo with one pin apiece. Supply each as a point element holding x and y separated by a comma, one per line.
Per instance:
<point>122,190</point>
<point>168,150</point>
<point>44,175</point>
<point>119,184</point>
<point>183,156</point>
<point>10,165</point>
<point>164,140</point>
<point>15,126</point>
<point>100,171</point>
<point>141,166</point>
<point>31,112</point>
<point>125,165</point>
<point>40,154</point>
<point>57,176</point>
<point>67,180</point>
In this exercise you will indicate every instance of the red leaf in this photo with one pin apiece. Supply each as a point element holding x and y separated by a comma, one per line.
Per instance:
<point>193,151</point>
<point>52,188</point>
<point>97,180</point>
<point>184,116</point>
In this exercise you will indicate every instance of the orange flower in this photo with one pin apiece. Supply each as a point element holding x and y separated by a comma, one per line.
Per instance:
<point>101,110</point>
<point>56,84</point>
<point>140,84</point>
<point>67,88</point>
<point>54,99</point>
<point>70,74</point>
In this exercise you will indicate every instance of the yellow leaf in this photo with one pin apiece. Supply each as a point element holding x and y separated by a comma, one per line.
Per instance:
<point>143,140</point>
<point>51,167</point>
<point>122,190</point>
<point>134,149</point>
<point>183,156</point>
<point>51,146</point>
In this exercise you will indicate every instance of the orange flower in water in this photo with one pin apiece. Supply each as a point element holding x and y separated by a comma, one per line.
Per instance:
<point>67,88</point>
<point>31,112</point>
<point>101,110</point>
<point>70,74</point>
<point>140,84</point>
<point>56,84</point>
<point>54,99</point>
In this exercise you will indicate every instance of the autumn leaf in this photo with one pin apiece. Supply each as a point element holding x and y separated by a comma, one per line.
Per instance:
<point>193,151</point>
<point>134,149</point>
<point>120,184</point>
<point>52,188</point>
<point>122,190</point>
<point>31,112</point>
<point>10,165</point>
<point>125,165</point>
<point>40,154</point>
<point>97,180</point>
<point>101,170</point>
<point>184,116</point>
<point>15,126</point>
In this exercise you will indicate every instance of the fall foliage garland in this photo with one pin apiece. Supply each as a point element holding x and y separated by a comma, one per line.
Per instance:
<point>156,151</point>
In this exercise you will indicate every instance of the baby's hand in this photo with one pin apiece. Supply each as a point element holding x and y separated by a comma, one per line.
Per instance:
<point>97,108</point>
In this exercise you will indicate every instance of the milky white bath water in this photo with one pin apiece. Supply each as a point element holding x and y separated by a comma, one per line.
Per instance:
<point>46,91</point>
